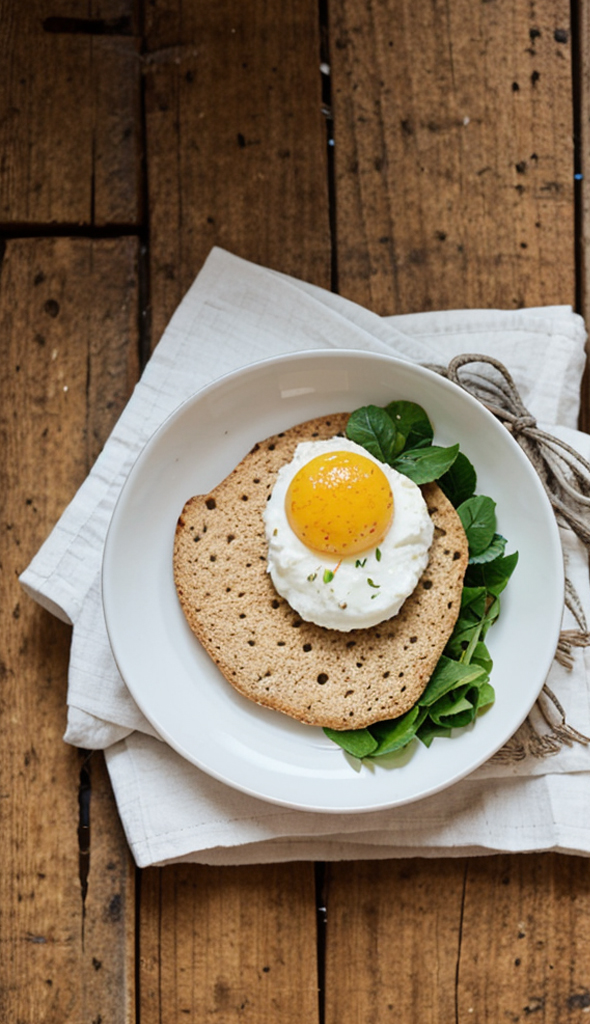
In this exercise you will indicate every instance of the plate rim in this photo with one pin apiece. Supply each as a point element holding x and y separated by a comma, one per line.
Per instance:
<point>219,383</point>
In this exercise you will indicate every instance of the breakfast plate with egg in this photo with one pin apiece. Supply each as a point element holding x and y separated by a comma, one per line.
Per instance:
<point>268,582</point>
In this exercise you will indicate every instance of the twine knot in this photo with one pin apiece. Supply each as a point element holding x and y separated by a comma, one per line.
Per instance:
<point>520,424</point>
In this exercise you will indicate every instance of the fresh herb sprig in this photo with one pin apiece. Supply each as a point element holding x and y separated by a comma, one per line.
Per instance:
<point>401,435</point>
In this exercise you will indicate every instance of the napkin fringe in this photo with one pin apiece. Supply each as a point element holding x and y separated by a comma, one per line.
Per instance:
<point>569,638</point>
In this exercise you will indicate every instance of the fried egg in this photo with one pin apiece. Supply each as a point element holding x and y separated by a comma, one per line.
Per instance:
<point>348,536</point>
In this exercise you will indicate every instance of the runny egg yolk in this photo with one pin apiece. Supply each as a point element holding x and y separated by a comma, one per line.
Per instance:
<point>340,503</point>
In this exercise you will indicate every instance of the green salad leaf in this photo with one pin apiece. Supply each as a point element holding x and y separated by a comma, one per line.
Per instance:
<point>423,465</point>
<point>358,742</point>
<point>496,547</point>
<point>374,430</point>
<point>493,575</point>
<point>411,423</point>
<point>459,481</point>
<point>478,516</point>
<point>401,435</point>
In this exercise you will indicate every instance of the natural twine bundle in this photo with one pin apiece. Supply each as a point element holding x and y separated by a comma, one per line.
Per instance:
<point>565,476</point>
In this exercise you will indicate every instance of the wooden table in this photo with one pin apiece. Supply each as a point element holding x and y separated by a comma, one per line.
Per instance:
<point>411,155</point>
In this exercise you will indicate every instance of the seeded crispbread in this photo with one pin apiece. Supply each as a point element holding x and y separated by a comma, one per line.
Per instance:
<point>262,646</point>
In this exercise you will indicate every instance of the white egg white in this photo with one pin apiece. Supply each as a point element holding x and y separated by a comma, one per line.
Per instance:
<point>365,589</point>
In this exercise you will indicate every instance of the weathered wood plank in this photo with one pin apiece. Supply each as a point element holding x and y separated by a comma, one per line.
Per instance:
<point>225,945</point>
<point>490,939</point>
<point>581,46</point>
<point>392,936</point>
<point>525,940</point>
<point>70,134</point>
<point>235,141</point>
<point>64,959</point>
<point>454,187</point>
<point>236,151</point>
<point>453,153</point>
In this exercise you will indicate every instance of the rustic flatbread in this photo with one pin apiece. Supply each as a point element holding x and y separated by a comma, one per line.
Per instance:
<point>263,648</point>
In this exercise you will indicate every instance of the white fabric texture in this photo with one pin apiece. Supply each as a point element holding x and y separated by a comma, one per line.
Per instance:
<point>234,314</point>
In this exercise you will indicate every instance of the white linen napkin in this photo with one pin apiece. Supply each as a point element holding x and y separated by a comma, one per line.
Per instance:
<point>236,313</point>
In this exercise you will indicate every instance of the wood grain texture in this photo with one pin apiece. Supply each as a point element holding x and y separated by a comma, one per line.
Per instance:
<point>235,141</point>
<point>581,46</point>
<point>70,134</point>
<point>236,151</point>
<point>454,187</point>
<point>453,128</point>
<point>393,934</point>
<point>226,945</point>
<point>453,152</point>
<point>485,939</point>
<point>66,953</point>
<point>525,949</point>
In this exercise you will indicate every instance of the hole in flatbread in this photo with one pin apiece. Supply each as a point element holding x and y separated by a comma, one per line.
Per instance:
<point>456,555</point>
<point>230,537</point>
<point>427,584</point>
<point>386,674</point>
<point>307,647</point>
<point>322,678</point>
<point>251,643</point>
<point>274,603</point>
<point>211,503</point>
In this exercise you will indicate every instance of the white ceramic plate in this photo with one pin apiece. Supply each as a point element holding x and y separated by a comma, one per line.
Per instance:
<point>182,693</point>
